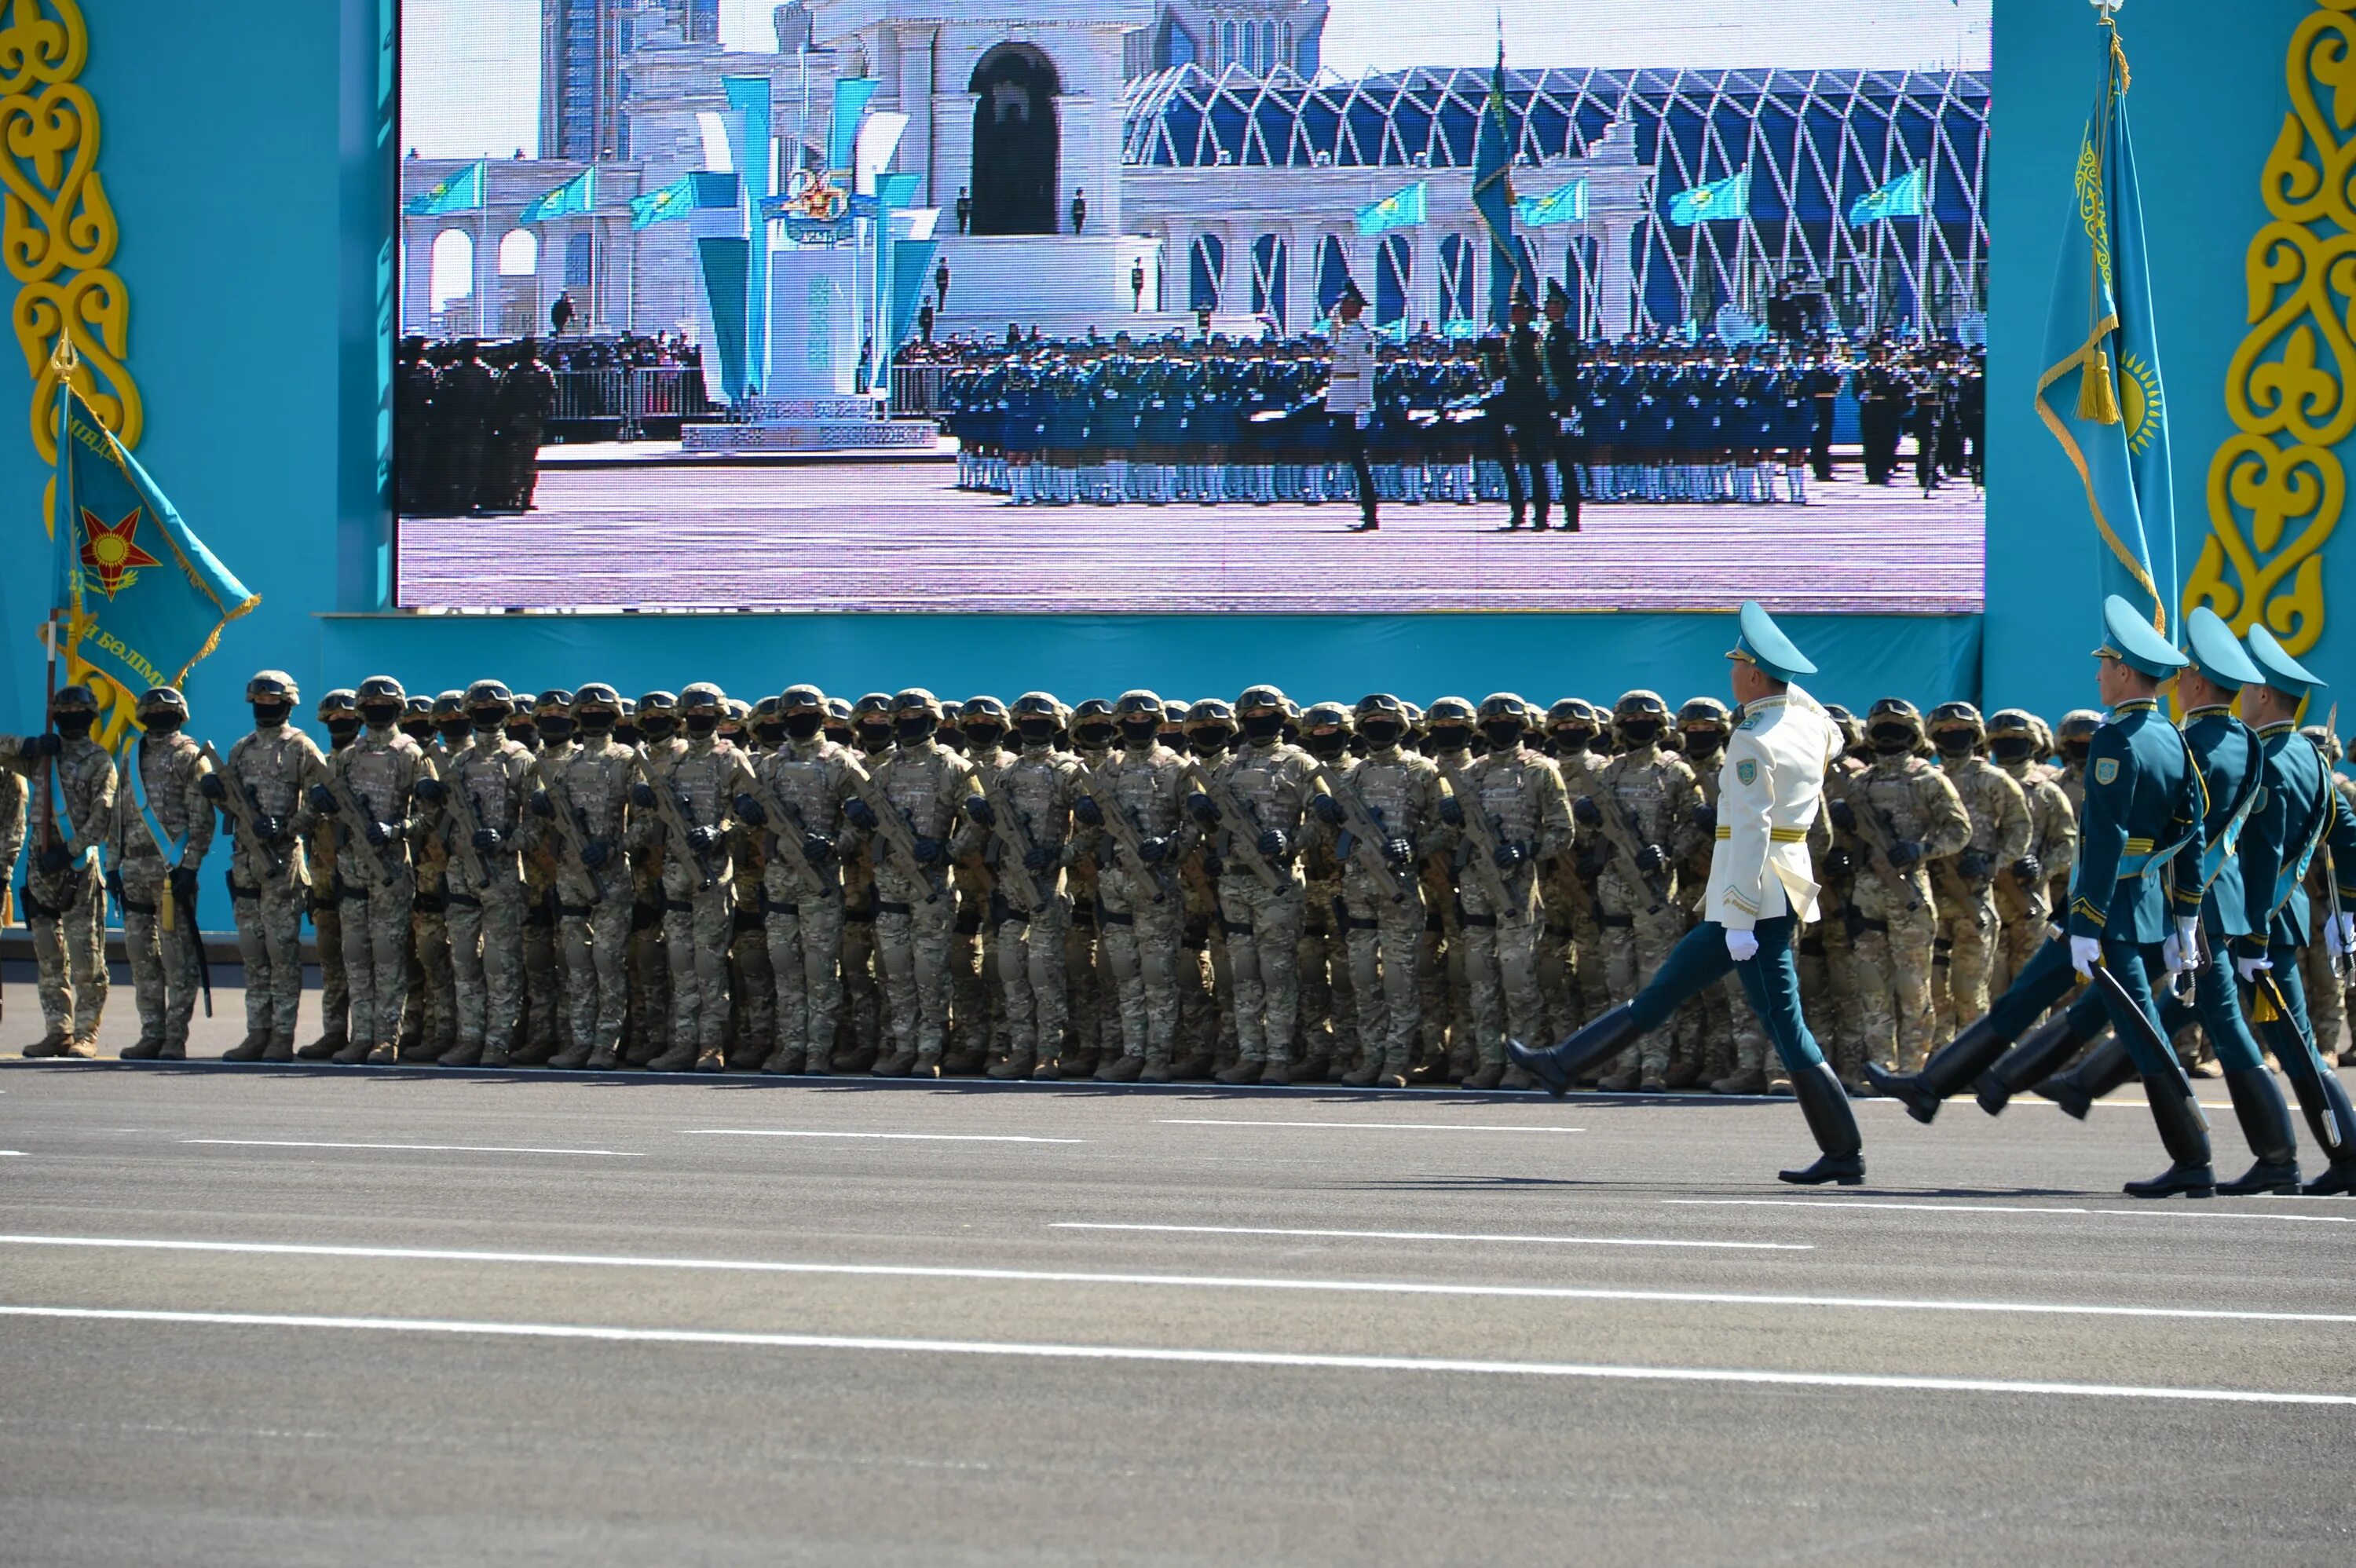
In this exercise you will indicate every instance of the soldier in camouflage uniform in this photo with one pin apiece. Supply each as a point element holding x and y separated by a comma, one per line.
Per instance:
<point>1382,903</point>
<point>802,883</point>
<point>1964,958</point>
<point>2072,739</point>
<point>1718,1036</point>
<point>977,1004</point>
<point>1020,825</point>
<point>1570,961</point>
<point>379,771</point>
<point>1830,992</point>
<point>1451,1053</point>
<point>649,724</point>
<point>269,882</point>
<point>924,784</point>
<point>429,1026</point>
<point>2326,999</point>
<point>860,1039</point>
<point>1260,912</point>
<point>1092,1029</point>
<point>339,714</point>
<point>163,827</point>
<point>1330,1039</point>
<point>72,812</point>
<point>699,778</point>
<point>1513,799</point>
<point>1136,795</point>
<point>752,1037</point>
<point>479,818</point>
<point>544,1025</point>
<point>584,781</point>
<point>1911,802</point>
<point>1637,819</point>
<point>2021,904</point>
<point>12,835</point>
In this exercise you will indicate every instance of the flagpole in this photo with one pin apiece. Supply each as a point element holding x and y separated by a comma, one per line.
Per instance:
<point>63,361</point>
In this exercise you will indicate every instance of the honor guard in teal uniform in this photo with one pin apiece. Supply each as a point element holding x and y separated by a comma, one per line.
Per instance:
<point>2134,893</point>
<point>1771,786</point>
<point>2299,815</point>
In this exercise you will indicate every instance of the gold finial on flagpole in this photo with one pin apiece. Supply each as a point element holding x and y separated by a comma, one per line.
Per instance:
<point>63,360</point>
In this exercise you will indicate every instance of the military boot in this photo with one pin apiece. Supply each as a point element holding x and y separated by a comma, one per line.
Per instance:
<point>1685,1074</point>
<point>495,1054</point>
<point>1013,1064</point>
<point>1488,1075</point>
<point>927,1065</point>
<point>860,1058</point>
<point>1156,1070</point>
<point>1191,1069</point>
<point>820,1063</point>
<point>1076,1063</point>
<point>899,1064</point>
<point>328,1046</point>
<point>1516,1078</point>
<point>252,1048</point>
<point>571,1058</point>
<point>963,1064</point>
<point>147,1048</point>
<point>281,1049</point>
<point>1825,1106</point>
<point>2265,1123</point>
<point>1362,1076</point>
<point>2183,1133</point>
<point>1047,1070</point>
<point>353,1053</point>
<point>784,1060</point>
<point>605,1059</point>
<point>50,1044</point>
<point>384,1056</point>
<point>643,1053</point>
<point>711,1059</point>
<point>1121,1069</point>
<point>172,1050</point>
<point>1594,1043</point>
<point>1627,1082</point>
<point>1313,1070</point>
<point>1747,1081</point>
<point>746,1056</point>
<point>465,1054</point>
<point>677,1059</point>
<point>1243,1073</point>
<point>82,1047</point>
<point>1276,1073</point>
<point>542,1055</point>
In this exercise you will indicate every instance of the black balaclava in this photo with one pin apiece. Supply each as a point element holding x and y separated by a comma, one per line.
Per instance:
<point>805,724</point>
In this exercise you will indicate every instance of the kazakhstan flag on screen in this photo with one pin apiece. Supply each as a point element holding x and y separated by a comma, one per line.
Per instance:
<point>1403,208</point>
<point>144,599</point>
<point>578,194</point>
<point>1901,197</point>
<point>1568,205</point>
<point>676,199</point>
<point>1729,198</point>
<point>461,190</point>
<point>2100,392</point>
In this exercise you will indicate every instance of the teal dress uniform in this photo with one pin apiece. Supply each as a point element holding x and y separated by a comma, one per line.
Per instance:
<point>1775,764</point>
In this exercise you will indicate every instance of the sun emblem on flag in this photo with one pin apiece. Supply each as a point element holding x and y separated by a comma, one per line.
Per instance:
<point>111,552</point>
<point>2142,407</point>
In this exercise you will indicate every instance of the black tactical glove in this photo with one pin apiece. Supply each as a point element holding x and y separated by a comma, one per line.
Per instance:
<point>2028,870</point>
<point>818,848</point>
<point>1034,859</point>
<point>488,838</point>
<point>861,815</point>
<point>1452,811</point>
<point>980,810</point>
<point>1508,854</point>
<point>542,807</point>
<point>1651,858</point>
<point>1839,863</point>
<point>211,787</point>
<point>1584,809</point>
<point>1329,810</point>
<point>431,791</point>
<point>1398,851</point>
<point>1588,862</point>
<point>1087,809</point>
<point>751,812</point>
<point>930,851</point>
<point>1906,853</point>
<point>1152,850</point>
<point>596,853</point>
<point>1705,818</point>
<point>381,833</point>
<point>1202,809</point>
<point>1976,865</point>
<point>1274,845</point>
<point>1844,815</point>
<point>700,838</point>
<point>47,743</point>
<point>322,799</point>
<point>270,829</point>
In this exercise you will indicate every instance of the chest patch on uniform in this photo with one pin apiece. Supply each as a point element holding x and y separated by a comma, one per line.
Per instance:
<point>2106,771</point>
<point>1747,771</point>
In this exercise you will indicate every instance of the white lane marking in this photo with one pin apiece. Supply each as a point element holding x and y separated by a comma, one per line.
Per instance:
<point>917,1137</point>
<point>1366,1127</point>
<point>1188,1281</point>
<point>1211,1358</point>
<point>422,1149</point>
<point>2141,1213</point>
<point>12,1154</point>
<point>1437,1237</point>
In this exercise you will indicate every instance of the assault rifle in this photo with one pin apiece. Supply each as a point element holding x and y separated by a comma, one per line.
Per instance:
<point>1243,825</point>
<point>239,805</point>
<point>780,810</point>
<point>1482,834</point>
<point>1622,835</point>
<point>893,830</point>
<point>375,868</point>
<point>469,824</point>
<point>1867,821</point>
<point>565,815</point>
<point>1367,834</point>
<point>1013,835</point>
<point>1124,835</point>
<point>673,809</point>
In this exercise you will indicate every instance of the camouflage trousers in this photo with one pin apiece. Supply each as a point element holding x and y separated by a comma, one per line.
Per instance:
<point>594,941</point>
<point>805,937</point>
<point>268,911</point>
<point>1828,992</point>
<point>542,1023</point>
<point>67,917</point>
<point>1141,937</point>
<point>1084,1008</point>
<point>862,1026</point>
<point>696,932</point>
<point>434,1018</point>
<point>1963,961</point>
<point>335,984</point>
<point>1439,983</point>
<point>378,933</point>
<point>1029,953</point>
<point>969,988</point>
<point>2017,943</point>
<point>1895,1011</point>
<point>1263,931</point>
<point>1385,938</point>
<point>1572,972</point>
<point>1501,966</point>
<point>1636,941</point>
<point>752,985</point>
<point>486,934</point>
<point>649,970</point>
<point>913,942</point>
<point>2326,1003</point>
<point>1329,1014</point>
<point>163,962</point>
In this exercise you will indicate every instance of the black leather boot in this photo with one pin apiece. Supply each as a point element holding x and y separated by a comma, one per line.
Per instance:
<point>2185,1137</point>
<point>2039,1055</point>
<point>2106,1067</point>
<point>1951,1067</point>
<point>2329,1117</point>
<point>2266,1122</point>
<point>1825,1104</point>
<point>1556,1068</point>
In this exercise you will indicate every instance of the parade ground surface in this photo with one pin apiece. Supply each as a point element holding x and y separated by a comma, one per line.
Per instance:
<point>344,1316</point>
<point>900,536</point>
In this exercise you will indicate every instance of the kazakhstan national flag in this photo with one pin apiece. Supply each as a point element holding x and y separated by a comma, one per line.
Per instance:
<point>461,190</point>
<point>578,194</point>
<point>1901,197</point>
<point>2100,391</point>
<point>676,199</point>
<point>1403,208</point>
<point>1729,198</point>
<point>1492,196</point>
<point>1568,205</point>
<point>144,598</point>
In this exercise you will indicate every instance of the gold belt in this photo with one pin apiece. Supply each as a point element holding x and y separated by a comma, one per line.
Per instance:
<point>1778,835</point>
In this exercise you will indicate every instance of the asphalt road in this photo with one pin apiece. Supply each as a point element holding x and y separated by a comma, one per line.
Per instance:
<point>298,1315</point>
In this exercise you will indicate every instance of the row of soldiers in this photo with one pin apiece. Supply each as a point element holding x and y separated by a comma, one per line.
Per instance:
<point>1131,888</point>
<point>469,421</point>
<point>1167,422</point>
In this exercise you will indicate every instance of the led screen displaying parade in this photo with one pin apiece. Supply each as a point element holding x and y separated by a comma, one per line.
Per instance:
<point>1221,310</point>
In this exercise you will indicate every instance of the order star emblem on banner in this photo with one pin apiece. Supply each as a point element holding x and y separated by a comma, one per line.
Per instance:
<point>111,552</point>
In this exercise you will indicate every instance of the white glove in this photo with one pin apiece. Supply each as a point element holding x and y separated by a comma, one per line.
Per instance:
<point>1364,419</point>
<point>2252,967</point>
<point>2172,954</point>
<point>2343,931</point>
<point>1741,946</point>
<point>2188,942</point>
<point>2085,951</point>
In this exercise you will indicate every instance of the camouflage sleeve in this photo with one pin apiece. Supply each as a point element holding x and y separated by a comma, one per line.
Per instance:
<point>1553,813</point>
<point>2011,820</point>
<point>1946,826</point>
<point>96,818</point>
<point>200,816</point>
<point>2061,832</point>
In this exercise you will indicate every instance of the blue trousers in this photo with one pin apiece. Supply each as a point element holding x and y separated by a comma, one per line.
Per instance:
<point>1770,979</point>
<point>2291,1035</point>
<point>2217,1003</point>
<point>2043,980</point>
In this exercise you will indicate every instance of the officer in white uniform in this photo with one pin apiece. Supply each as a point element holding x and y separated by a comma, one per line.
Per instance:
<point>1350,395</point>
